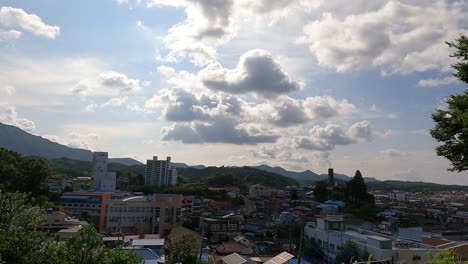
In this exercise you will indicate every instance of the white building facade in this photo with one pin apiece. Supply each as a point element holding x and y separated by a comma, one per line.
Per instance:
<point>160,172</point>
<point>102,180</point>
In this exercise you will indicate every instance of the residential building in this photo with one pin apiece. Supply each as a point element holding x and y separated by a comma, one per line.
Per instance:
<point>102,179</point>
<point>155,214</point>
<point>160,172</point>
<point>331,234</point>
<point>216,230</point>
<point>258,191</point>
<point>89,203</point>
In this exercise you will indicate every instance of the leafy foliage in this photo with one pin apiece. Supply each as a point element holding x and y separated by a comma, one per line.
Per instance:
<point>20,221</point>
<point>356,191</point>
<point>443,257</point>
<point>350,253</point>
<point>23,241</point>
<point>452,130</point>
<point>452,124</point>
<point>18,174</point>
<point>181,250</point>
<point>321,192</point>
<point>461,53</point>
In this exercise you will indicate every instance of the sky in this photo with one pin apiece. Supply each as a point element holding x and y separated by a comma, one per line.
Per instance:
<point>303,84</point>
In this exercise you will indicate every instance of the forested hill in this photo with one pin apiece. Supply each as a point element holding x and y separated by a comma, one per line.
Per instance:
<point>220,176</point>
<point>408,186</point>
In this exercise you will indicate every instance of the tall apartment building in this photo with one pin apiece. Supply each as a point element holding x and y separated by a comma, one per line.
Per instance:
<point>160,172</point>
<point>156,214</point>
<point>102,180</point>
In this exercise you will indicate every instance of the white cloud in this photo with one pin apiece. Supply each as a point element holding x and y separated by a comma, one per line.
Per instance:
<point>16,17</point>
<point>286,111</point>
<point>9,116</point>
<point>7,90</point>
<point>397,37</point>
<point>392,153</point>
<point>76,140</point>
<point>326,138</point>
<point>91,108</point>
<point>10,35</point>
<point>257,72</point>
<point>208,24</point>
<point>115,102</point>
<point>166,71</point>
<point>392,116</point>
<point>438,81</point>
<point>107,83</point>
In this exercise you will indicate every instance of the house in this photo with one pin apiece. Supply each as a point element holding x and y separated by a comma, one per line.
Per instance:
<point>216,230</point>
<point>156,245</point>
<point>236,259</point>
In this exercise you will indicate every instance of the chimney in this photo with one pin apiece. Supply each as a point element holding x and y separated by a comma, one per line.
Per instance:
<point>331,177</point>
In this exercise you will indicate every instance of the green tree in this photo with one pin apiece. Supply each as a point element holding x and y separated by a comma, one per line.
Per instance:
<point>84,247</point>
<point>20,237</point>
<point>356,190</point>
<point>451,127</point>
<point>452,130</point>
<point>443,257</point>
<point>349,252</point>
<point>321,192</point>
<point>182,250</point>
<point>461,53</point>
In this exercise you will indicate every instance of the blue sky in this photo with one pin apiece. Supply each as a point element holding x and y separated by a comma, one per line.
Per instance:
<point>298,84</point>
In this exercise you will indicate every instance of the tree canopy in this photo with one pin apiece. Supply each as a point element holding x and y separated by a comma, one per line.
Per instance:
<point>23,241</point>
<point>451,128</point>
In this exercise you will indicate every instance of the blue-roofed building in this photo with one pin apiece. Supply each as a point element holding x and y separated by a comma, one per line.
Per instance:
<point>147,255</point>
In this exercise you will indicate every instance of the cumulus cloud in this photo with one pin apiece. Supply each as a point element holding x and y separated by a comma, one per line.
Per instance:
<point>16,17</point>
<point>392,153</point>
<point>287,111</point>
<point>9,116</point>
<point>396,37</point>
<point>91,108</point>
<point>326,138</point>
<point>438,81</point>
<point>10,35</point>
<point>107,83</point>
<point>7,90</point>
<point>208,24</point>
<point>257,72</point>
<point>76,140</point>
<point>115,102</point>
<point>220,130</point>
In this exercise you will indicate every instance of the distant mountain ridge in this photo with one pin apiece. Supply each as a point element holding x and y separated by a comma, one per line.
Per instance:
<point>26,144</point>
<point>308,175</point>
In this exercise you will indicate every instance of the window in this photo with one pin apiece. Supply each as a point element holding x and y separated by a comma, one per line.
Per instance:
<point>215,227</point>
<point>169,215</point>
<point>178,215</point>
<point>332,247</point>
<point>157,212</point>
<point>320,242</point>
<point>232,227</point>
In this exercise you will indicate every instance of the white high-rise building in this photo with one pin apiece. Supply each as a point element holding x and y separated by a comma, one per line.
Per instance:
<point>102,179</point>
<point>160,172</point>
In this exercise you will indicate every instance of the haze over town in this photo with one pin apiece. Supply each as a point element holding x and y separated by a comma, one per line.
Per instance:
<point>296,84</point>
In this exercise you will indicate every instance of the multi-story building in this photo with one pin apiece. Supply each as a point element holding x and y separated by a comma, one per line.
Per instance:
<point>257,191</point>
<point>90,203</point>
<point>102,179</point>
<point>216,230</point>
<point>331,234</point>
<point>160,172</point>
<point>156,214</point>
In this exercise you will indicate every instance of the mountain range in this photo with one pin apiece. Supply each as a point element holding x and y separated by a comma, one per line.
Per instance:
<point>13,138</point>
<point>26,144</point>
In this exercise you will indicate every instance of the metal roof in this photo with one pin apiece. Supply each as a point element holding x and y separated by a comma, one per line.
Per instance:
<point>280,259</point>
